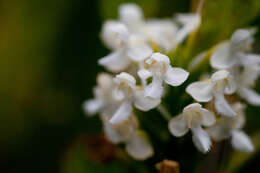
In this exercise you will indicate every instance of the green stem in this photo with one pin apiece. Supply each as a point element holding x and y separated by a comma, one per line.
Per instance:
<point>164,112</point>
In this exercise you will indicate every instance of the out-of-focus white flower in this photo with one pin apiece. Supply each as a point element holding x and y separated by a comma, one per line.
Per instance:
<point>103,101</point>
<point>162,32</point>
<point>246,80</point>
<point>128,93</point>
<point>127,132</point>
<point>158,67</point>
<point>132,16</point>
<point>221,83</point>
<point>227,127</point>
<point>234,52</point>
<point>189,22</point>
<point>126,47</point>
<point>193,117</point>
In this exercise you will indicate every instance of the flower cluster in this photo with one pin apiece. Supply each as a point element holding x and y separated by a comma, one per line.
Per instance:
<point>140,69</point>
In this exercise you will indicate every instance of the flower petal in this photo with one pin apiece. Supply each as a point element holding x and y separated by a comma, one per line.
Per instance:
<point>250,59</point>
<point>250,96</point>
<point>139,148</point>
<point>200,91</point>
<point>250,75</point>
<point>190,23</point>
<point>175,76</point>
<point>222,106</point>
<point>131,15</point>
<point>125,79</point>
<point>218,133</point>
<point>222,57</point>
<point>92,106</point>
<point>111,133</point>
<point>145,103</point>
<point>118,94</point>
<point>122,113</point>
<point>138,49</point>
<point>201,139</point>
<point>241,141</point>
<point>116,61</point>
<point>114,34</point>
<point>231,85</point>
<point>144,74</point>
<point>162,32</point>
<point>241,38</point>
<point>154,89</point>
<point>178,126</point>
<point>208,117</point>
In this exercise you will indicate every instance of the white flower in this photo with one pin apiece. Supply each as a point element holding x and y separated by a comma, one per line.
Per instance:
<point>247,80</point>
<point>132,16</point>
<point>127,132</point>
<point>193,117</point>
<point>189,22</point>
<point>233,52</point>
<point>158,67</point>
<point>221,83</point>
<point>162,32</point>
<point>128,93</point>
<point>227,127</point>
<point>126,47</point>
<point>103,101</point>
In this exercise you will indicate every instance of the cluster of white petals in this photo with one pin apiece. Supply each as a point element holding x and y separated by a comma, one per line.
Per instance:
<point>140,70</point>
<point>234,56</point>
<point>113,101</point>
<point>194,117</point>
<point>231,127</point>
<point>128,93</point>
<point>135,140</point>
<point>131,38</point>
<point>220,83</point>
<point>159,68</point>
<point>134,42</point>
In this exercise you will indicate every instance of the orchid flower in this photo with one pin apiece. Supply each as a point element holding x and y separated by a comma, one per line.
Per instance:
<point>189,22</point>
<point>164,33</point>
<point>227,127</point>
<point>128,93</point>
<point>247,80</point>
<point>126,47</point>
<point>159,68</point>
<point>193,117</point>
<point>234,52</point>
<point>221,83</point>
<point>159,32</point>
<point>127,132</point>
<point>103,101</point>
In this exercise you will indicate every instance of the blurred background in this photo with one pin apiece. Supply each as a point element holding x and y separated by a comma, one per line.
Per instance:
<point>48,66</point>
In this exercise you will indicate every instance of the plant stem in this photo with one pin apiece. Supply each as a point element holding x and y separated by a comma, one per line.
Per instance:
<point>164,112</point>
